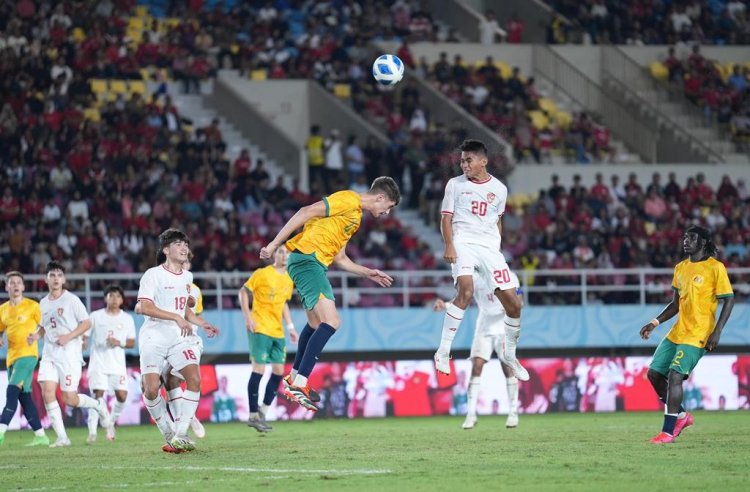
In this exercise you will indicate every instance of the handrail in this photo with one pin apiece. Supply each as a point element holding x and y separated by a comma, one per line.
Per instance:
<point>569,286</point>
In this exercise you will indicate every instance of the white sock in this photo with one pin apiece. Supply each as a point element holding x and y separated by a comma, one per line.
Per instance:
<point>681,415</point>
<point>264,409</point>
<point>117,409</point>
<point>158,411</point>
<point>254,415</point>
<point>188,406</point>
<point>293,373</point>
<point>85,401</point>
<point>93,421</point>
<point>300,381</point>
<point>452,320</point>
<point>512,334</point>
<point>3,428</point>
<point>511,384</point>
<point>175,402</point>
<point>39,432</point>
<point>55,417</point>
<point>473,393</point>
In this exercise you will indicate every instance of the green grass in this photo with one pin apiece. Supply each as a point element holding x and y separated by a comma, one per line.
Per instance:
<point>549,452</point>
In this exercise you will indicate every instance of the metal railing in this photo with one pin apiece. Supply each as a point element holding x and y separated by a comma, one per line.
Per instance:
<point>418,288</point>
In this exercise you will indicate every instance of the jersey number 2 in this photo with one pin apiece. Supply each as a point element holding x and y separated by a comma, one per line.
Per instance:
<point>479,208</point>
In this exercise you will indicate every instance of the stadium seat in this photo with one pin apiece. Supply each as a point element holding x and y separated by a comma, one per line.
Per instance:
<point>343,91</point>
<point>505,71</point>
<point>92,114</point>
<point>135,24</point>
<point>141,11</point>
<point>538,119</point>
<point>563,119</point>
<point>549,106</point>
<point>659,71</point>
<point>145,74</point>
<point>259,75</point>
<point>98,86</point>
<point>137,86</point>
<point>118,86</point>
<point>79,34</point>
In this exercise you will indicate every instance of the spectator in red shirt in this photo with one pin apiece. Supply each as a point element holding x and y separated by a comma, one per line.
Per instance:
<point>514,28</point>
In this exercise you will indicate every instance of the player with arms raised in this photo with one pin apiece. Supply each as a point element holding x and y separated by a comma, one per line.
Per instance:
<point>699,282</point>
<point>472,207</point>
<point>328,226</point>
<point>163,294</point>
<point>64,322</point>
<point>112,331</point>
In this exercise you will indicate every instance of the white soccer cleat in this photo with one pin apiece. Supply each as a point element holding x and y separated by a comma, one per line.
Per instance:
<point>512,421</point>
<point>443,363</point>
<point>182,443</point>
<point>103,413</point>
<point>91,439</point>
<point>518,370</point>
<point>470,422</point>
<point>198,429</point>
<point>111,433</point>
<point>61,442</point>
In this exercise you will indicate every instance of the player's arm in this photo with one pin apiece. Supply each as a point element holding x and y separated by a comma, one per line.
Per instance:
<point>82,328</point>
<point>317,209</point>
<point>500,225</point>
<point>727,304</point>
<point>446,229</point>
<point>39,333</point>
<point>195,319</point>
<point>345,263</point>
<point>287,316</point>
<point>245,300</point>
<point>666,314</point>
<point>148,308</point>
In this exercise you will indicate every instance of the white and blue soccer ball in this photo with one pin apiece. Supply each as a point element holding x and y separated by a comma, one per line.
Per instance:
<point>388,69</point>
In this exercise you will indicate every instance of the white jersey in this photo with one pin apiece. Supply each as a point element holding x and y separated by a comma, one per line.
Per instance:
<point>59,317</point>
<point>476,209</point>
<point>105,359</point>
<point>169,292</point>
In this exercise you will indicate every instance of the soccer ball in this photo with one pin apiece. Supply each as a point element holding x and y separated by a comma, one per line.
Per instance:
<point>388,69</point>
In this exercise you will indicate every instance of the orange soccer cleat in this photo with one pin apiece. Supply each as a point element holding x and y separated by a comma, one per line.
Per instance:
<point>662,438</point>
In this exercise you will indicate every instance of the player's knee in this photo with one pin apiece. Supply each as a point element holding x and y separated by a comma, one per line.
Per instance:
<point>655,377</point>
<point>193,382</point>
<point>121,396</point>
<point>70,398</point>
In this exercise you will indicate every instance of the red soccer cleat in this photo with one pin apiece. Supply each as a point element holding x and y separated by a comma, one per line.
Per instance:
<point>167,448</point>
<point>682,424</point>
<point>663,438</point>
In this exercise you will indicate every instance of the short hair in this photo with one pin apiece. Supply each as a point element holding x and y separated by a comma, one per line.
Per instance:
<point>13,273</point>
<point>54,265</point>
<point>473,145</point>
<point>166,238</point>
<point>114,288</point>
<point>387,186</point>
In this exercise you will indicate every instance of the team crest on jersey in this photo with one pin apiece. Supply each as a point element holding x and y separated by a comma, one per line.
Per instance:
<point>187,286</point>
<point>60,311</point>
<point>698,280</point>
<point>490,197</point>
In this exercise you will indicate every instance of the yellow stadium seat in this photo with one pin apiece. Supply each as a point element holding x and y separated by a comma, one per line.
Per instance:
<point>258,75</point>
<point>549,106</point>
<point>538,119</point>
<point>659,71</point>
<point>173,21</point>
<point>145,74</point>
<point>98,86</point>
<point>118,86</point>
<point>505,71</point>
<point>137,86</point>
<point>92,114</point>
<point>344,91</point>
<point>135,23</point>
<point>234,49</point>
<point>564,119</point>
<point>141,11</point>
<point>79,34</point>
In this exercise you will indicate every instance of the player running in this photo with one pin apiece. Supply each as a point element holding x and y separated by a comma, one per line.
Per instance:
<point>64,322</point>
<point>19,317</point>
<point>472,207</point>
<point>270,287</point>
<point>165,336</point>
<point>489,336</point>
<point>699,282</point>
<point>328,226</point>
<point>112,331</point>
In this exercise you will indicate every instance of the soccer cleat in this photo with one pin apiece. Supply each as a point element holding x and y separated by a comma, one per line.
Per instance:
<point>62,442</point>
<point>470,422</point>
<point>662,438</point>
<point>682,424</point>
<point>512,421</point>
<point>314,395</point>
<point>197,427</point>
<point>257,424</point>
<point>39,441</point>
<point>91,439</point>
<point>103,413</point>
<point>263,419</point>
<point>111,433</point>
<point>518,370</point>
<point>301,396</point>
<point>182,443</point>
<point>443,363</point>
<point>167,448</point>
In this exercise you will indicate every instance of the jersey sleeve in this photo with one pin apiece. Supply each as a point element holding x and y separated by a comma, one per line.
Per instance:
<point>723,286</point>
<point>2,325</point>
<point>79,310</point>
<point>36,313</point>
<point>252,281</point>
<point>147,288</point>
<point>341,202</point>
<point>449,199</point>
<point>675,285</point>
<point>503,200</point>
<point>130,335</point>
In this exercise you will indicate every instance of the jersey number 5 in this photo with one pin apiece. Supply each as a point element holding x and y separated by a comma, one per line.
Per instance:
<point>179,303</point>
<point>479,208</point>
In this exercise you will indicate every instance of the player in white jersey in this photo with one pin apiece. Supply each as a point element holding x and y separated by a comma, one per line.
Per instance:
<point>489,336</point>
<point>472,207</point>
<point>64,322</point>
<point>163,294</point>
<point>112,331</point>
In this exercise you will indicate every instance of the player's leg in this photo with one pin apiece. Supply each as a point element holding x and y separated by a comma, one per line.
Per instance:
<point>152,357</point>
<point>277,372</point>
<point>121,397</point>
<point>12,394</point>
<point>96,385</point>
<point>477,365</point>
<point>49,378</point>
<point>304,337</point>
<point>675,418</point>
<point>173,388</point>
<point>71,397</point>
<point>185,361</point>
<point>20,375</point>
<point>32,415</point>
<point>506,286</point>
<point>511,386</point>
<point>259,357</point>
<point>325,311</point>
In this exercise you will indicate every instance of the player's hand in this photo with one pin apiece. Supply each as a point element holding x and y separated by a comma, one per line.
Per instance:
<point>293,337</point>
<point>186,329</point>
<point>450,254</point>
<point>266,253</point>
<point>250,324</point>
<point>32,338</point>
<point>2,341</point>
<point>439,305</point>
<point>646,330</point>
<point>380,278</point>
<point>713,341</point>
<point>63,340</point>
<point>211,330</point>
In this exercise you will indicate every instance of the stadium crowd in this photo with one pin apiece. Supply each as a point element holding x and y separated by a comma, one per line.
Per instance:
<point>644,22</point>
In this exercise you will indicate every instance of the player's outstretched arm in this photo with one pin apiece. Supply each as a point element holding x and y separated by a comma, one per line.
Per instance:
<point>195,319</point>
<point>726,310</point>
<point>666,314</point>
<point>317,209</point>
<point>377,276</point>
<point>82,328</point>
<point>446,229</point>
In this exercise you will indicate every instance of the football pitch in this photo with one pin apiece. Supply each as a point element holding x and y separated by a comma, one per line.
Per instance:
<point>547,452</point>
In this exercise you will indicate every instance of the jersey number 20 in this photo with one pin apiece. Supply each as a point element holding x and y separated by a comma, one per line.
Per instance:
<point>479,208</point>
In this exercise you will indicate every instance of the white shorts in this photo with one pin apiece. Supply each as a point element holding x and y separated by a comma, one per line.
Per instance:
<point>489,337</point>
<point>194,344</point>
<point>154,353</point>
<point>66,373</point>
<point>490,266</point>
<point>108,382</point>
